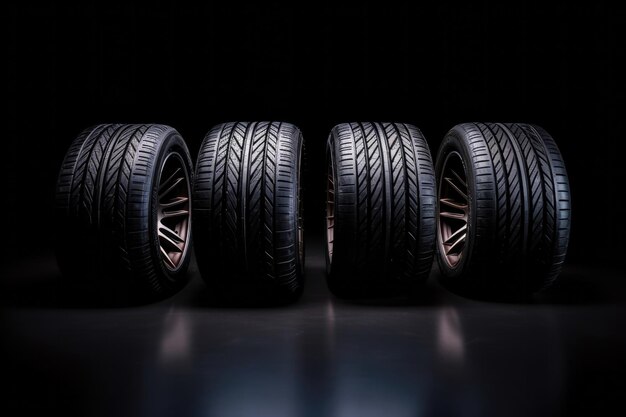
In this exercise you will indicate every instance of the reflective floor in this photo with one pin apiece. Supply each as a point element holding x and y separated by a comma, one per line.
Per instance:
<point>564,354</point>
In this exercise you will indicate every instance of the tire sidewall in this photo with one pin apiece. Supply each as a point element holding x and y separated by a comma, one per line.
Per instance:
<point>300,260</point>
<point>331,161</point>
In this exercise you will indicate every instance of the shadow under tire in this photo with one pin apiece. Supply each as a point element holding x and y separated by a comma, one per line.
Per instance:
<point>380,209</point>
<point>248,212</point>
<point>123,211</point>
<point>503,209</point>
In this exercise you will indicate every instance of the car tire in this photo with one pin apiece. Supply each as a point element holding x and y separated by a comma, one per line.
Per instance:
<point>248,212</point>
<point>503,209</point>
<point>123,209</point>
<point>380,209</point>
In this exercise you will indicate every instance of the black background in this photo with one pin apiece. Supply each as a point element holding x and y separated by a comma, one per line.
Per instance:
<point>433,65</point>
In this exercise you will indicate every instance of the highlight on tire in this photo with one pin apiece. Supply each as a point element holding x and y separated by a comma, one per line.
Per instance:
<point>503,208</point>
<point>380,209</point>
<point>123,209</point>
<point>248,212</point>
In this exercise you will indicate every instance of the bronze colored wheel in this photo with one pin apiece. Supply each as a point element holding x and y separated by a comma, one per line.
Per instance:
<point>453,209</point>
<point>173,213</point>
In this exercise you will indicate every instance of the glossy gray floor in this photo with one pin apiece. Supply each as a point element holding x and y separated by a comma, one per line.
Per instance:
<point>445,355</point>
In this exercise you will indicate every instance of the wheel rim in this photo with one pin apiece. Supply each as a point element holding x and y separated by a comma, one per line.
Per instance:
<point>173,214</point>
<point>453,210</point>
<point>330,211</point>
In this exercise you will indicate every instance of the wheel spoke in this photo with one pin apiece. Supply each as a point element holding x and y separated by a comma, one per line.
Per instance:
<point>168,181</point>
<point>176,201</point>
<point>454,209</point>
<point>456,188</point>
<point>459,179</point>
<point>451,203</point>
<point>173,211</point>
<point>450,215</point>
<point>455,235</point>
<point>170,188</point>
<point>166,231</point>
<point>172,245</point>
<point>456,247</point>
<point>166,258</point>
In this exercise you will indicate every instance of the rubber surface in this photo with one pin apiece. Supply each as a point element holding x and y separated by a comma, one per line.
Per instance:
<point>519,208</point>
<point>384,208</point>
<point>247,211</point>
<point>106,199</point>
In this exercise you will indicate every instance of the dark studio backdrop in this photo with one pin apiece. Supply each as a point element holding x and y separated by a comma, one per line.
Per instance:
<point>433,65</point>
